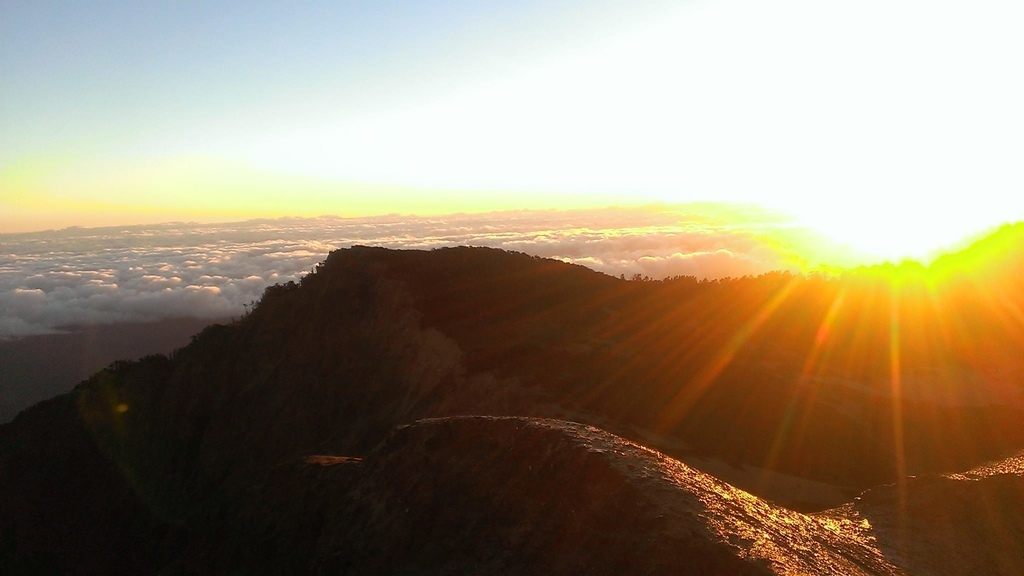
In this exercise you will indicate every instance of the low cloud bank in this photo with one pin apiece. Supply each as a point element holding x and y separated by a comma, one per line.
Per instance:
<point>51,280</point>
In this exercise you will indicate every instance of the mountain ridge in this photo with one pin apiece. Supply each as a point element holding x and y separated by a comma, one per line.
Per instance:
<point>375,339</point>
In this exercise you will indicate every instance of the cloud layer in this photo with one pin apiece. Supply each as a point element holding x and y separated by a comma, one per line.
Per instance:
<point>51,280</point>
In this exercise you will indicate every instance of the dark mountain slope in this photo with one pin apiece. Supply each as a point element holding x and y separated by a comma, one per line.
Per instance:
<point>67,509</point>
<point>766,372</point>
<point>788,373</point>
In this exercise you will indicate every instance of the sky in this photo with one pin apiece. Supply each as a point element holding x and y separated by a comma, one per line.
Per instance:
<point>892,127</point>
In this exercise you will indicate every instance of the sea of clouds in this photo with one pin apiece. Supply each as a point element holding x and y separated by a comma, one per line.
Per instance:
<point>52,280</point>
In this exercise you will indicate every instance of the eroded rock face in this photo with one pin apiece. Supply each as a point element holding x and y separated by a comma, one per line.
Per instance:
<point>970,523</point>
<point>486,495</point>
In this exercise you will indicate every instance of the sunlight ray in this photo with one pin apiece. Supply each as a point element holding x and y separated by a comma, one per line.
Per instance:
<point>684,399</point>
<point>896,399</point>
<point>788,431</point>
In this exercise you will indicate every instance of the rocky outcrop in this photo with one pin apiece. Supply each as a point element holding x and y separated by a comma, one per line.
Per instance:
<point>489,495</point>
<point>970,523</point>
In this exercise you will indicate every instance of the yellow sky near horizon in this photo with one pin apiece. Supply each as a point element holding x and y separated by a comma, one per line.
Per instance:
<point>52,195</point>
<point>201,190</point>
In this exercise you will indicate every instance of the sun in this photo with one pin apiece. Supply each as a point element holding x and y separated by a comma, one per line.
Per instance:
<point>884,229</point>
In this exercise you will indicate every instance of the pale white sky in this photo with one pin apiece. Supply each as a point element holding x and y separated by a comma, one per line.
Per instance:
<point>893,126</point>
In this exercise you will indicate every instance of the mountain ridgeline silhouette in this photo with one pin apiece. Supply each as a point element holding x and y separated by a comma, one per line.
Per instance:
<point>470,410</point>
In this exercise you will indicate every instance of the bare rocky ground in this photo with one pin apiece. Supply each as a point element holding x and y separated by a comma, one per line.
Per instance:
<point>488,495</point>
<point>969,523</point>
<point>491,495</point>
<point>485,495</point>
